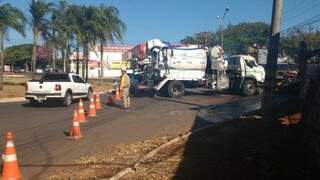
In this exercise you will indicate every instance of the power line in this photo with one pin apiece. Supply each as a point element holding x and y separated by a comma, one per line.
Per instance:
<point>302,9</point>
<point>307,22</point>
<point>299,13</point>
<point>295,7</point>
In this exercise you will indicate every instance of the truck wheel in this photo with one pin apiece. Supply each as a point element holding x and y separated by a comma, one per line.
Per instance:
<point>249,88</point>
<point>89,94</point>
<point>67,99</point>
<point>176,89</point>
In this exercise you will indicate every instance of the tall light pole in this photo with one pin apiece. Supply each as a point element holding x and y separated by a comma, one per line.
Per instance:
<point>221,24</point>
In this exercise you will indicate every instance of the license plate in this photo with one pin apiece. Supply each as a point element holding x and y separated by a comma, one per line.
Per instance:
<point>41,98</point>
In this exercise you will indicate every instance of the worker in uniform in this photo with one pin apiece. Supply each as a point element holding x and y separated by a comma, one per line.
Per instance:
<point>124,88</point>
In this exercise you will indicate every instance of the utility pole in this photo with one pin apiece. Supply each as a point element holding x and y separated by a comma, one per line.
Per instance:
<point>271,67</point>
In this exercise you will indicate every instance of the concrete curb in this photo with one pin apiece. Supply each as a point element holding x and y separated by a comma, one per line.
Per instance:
<point>7,100</point>
<point>155,151</point>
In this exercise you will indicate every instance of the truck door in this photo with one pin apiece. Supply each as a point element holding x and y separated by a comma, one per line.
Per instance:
<point>252,69</point>
<point>79,87</point>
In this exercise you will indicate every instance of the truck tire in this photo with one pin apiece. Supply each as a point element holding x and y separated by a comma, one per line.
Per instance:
<point>67,99</point>
<point>89,93</point>
<point>249,87</point>
<point>176,89</point>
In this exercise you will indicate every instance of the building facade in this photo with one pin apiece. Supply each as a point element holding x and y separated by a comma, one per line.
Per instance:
<point>112,60</point>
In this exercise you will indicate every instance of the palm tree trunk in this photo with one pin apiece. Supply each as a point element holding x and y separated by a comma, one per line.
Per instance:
<point>53,59</point>
<point>63,54</point>
<point>68,52</point>
<point>87,61</point>
<point>83,60</point>
<point>53,52</point>
<point>77,49</point>
<point>1,62</point>
<point>101,63</point>
<point>34,52</point>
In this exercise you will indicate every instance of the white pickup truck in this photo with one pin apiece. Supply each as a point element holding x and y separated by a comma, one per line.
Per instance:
<point>63,87</point>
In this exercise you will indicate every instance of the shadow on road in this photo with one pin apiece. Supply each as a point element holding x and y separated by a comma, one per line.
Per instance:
<point>246,149</point>
<point>49,104</point>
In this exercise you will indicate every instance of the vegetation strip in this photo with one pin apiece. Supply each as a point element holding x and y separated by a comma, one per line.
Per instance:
<point>155,151</point>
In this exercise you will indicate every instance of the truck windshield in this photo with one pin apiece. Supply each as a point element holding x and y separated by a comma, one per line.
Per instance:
<point>55,78</point>
<point>234,61</point>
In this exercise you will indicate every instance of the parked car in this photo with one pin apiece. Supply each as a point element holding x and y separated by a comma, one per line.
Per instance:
<point>63,87</point>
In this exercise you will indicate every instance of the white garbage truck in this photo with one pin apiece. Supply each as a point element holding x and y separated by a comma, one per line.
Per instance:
<point>172,69</point>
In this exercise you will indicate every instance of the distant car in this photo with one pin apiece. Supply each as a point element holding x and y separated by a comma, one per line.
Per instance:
<point>63,87</point>
<point>19,70</point>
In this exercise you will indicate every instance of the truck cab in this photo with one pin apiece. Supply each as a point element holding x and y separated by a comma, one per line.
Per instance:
<point>245,74</point>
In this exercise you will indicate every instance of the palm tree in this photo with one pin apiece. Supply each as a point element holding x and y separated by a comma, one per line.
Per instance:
<point>75,15</point>
<point>61,34</point>
<point>40,25</point>
<point>111,27</point>
<point>10,17</point>
<point>90,31</point>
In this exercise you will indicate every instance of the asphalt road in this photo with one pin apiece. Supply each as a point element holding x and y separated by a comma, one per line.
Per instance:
<point>42,144</point>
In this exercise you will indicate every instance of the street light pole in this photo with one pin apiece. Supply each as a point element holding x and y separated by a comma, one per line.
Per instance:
<point>222,33</point>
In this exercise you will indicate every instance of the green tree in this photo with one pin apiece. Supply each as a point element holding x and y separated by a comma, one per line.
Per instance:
<point>205,39</point>
<point>19,55</point>
<point>289,42</point>
<point>110,27</point>
<point>90,30</point>
<point>239,38</point>
<point>39,22</point>
<point>75,15</point>
<point>60,35</point>
<point>10,17</point>
<point>189,40</point>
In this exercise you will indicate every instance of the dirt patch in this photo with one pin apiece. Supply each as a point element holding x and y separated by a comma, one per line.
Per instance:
<point>13,87</point>
<point>104,86</point>
<point>109,162</point>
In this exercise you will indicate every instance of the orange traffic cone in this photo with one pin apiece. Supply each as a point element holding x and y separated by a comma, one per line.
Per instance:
<point>81,115</point>
<point>118,96</point>
<point>10,169</point>
<point>74,119</point>
<point>98,101</point>
<point>110,100</point>
<point>92,110</point>
<point>75,132</point>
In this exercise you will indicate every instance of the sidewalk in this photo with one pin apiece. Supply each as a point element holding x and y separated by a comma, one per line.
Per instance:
<point>228,111</point>
<point>17,99</point>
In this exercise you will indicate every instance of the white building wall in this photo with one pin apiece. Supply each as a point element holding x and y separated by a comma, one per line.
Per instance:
<point>112,59</point>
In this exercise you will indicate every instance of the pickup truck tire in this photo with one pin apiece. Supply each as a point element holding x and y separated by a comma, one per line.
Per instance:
<point>249,87</point>
<point>67,99</point>
<point>176,89</point>
<point>89,94</point>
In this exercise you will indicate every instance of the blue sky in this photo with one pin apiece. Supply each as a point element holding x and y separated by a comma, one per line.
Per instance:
<point>172,20</point>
